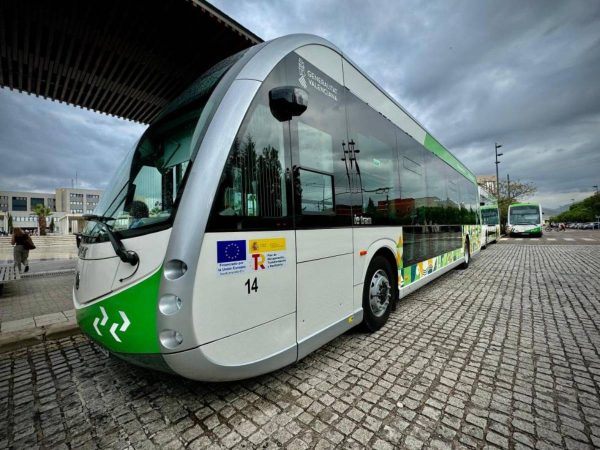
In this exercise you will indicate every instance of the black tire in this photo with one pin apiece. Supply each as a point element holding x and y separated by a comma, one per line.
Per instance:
<point>467,260</point>
<point>381,278</point>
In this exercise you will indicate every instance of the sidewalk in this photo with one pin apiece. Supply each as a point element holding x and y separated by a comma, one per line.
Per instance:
<point>39,306</point>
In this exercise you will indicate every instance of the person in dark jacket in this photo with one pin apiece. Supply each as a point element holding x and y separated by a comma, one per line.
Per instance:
<point>20,252</point>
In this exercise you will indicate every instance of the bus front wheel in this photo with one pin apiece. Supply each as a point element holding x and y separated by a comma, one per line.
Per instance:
<point>380,293</point>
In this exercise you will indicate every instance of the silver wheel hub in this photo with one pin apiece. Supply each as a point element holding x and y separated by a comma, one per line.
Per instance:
<point>380,293</point>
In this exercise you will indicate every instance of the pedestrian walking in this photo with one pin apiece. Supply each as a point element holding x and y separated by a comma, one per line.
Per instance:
<point>22,244</point>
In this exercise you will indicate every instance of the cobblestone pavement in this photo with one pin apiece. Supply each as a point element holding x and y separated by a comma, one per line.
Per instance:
<point>36,295</point>
<point>504,354</point>
<point>568,237</point>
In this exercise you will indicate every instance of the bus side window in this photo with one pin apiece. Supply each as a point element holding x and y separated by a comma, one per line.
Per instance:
<point>321,186</point>
<point>315,191</point>
<point>253,184</point>
<point>377,184</point>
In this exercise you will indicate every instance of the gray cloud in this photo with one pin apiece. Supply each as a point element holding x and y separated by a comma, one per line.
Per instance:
<point>44,143</point>
<point>472,72</point>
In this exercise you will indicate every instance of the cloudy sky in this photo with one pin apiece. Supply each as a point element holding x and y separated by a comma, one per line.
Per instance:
<point>524,74</point>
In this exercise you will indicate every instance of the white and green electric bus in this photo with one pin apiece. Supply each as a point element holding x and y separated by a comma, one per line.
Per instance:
<point>490,218</point>
<point>282,199</point>
<point>525,219</point>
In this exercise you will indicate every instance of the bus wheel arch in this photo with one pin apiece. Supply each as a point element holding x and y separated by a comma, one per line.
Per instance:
<point>380,290</point>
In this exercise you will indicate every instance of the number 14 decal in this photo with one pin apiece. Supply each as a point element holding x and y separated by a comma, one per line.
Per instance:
<point>253,286</point>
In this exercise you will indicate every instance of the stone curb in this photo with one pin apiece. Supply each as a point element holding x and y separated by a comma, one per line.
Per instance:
<point>48,273</point>
<point>13,340</point>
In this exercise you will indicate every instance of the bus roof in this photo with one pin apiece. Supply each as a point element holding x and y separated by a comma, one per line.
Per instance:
<point>524,204</point>
<point>489,207</point>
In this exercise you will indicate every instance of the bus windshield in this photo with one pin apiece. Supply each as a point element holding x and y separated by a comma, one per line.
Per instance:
<point>143,193</point>
<point>524,215</point>
<point>489,216</point>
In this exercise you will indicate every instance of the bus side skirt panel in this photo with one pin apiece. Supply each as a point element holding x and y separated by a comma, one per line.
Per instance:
<point>321,337</point>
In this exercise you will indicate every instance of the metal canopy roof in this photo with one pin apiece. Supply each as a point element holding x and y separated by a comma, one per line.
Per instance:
<point>123,58</point>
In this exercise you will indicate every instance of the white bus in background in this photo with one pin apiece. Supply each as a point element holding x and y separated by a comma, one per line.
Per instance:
<point>525,219</point>
<point>281,200</point>
<point>490,217</point>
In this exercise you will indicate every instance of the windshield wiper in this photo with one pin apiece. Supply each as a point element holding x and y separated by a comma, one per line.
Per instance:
<point>128,256</point>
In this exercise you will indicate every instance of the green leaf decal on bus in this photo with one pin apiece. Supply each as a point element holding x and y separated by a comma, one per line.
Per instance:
<point>125,322</point>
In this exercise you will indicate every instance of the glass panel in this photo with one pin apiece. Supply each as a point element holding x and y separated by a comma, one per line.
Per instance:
<point>36,201</point>
<point>436,190</point>
<point>413,189</point>
<point>489,216</point>
<point>19,204</point>
<point>377,186</point>
<point>469,202</point>
<point>144,190</point>
<point>255,183</point>
<point>253,193</point>
<point>524,215</point>
<point>315,148</point>
<point>318,140</point>
<point>316,192</point>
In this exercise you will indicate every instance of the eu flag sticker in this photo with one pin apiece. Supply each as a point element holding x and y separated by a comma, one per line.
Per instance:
<point>231,257</point>
<point>228,251</point>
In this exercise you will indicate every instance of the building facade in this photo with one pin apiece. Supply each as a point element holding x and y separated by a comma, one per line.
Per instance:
<point>67,205</point>
<point>488,182</point>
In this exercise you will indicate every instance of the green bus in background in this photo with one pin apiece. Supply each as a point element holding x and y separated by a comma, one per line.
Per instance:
<point>524,219</point>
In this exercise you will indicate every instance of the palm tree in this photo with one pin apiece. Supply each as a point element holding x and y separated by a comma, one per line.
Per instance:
<point>41,212</point>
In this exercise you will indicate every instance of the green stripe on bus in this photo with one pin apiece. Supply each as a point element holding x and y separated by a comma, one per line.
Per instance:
<point>126,321</point>
<point>438,149</point>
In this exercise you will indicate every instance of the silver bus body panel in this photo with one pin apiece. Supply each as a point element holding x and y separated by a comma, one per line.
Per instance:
<point>195,206</point>
<point>246,354</point>
<point>192,359</point>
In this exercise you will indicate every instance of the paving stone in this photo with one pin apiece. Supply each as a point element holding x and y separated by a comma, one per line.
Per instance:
<point>504,354</point>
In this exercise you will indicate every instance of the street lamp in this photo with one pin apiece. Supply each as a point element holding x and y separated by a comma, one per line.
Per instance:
<point>497,146</point>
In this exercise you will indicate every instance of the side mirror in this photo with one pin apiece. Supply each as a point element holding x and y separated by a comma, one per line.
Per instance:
<point>287,102</point>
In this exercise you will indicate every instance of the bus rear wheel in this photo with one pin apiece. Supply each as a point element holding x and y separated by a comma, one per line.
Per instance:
<point>380,293</point>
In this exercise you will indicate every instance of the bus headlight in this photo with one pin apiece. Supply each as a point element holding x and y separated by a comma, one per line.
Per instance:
<point>170,338</point>
<point>169,304</point>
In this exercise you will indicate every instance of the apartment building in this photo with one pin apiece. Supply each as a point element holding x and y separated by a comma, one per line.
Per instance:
<point>67,205</point>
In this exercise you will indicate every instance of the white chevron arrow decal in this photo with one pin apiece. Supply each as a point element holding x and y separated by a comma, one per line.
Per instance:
<point>96,320</point>
<point>126,321</point>
<point>104,316</point>
<point>113,328</point>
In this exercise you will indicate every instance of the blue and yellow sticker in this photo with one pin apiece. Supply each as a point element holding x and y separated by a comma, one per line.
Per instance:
<point>252,255</point>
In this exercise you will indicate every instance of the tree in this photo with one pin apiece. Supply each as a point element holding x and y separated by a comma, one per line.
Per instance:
<point>584,211</point>
<point>519,191</point>
<point>10,223</point>
<point>51,227</point>
<point>41,212</point>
